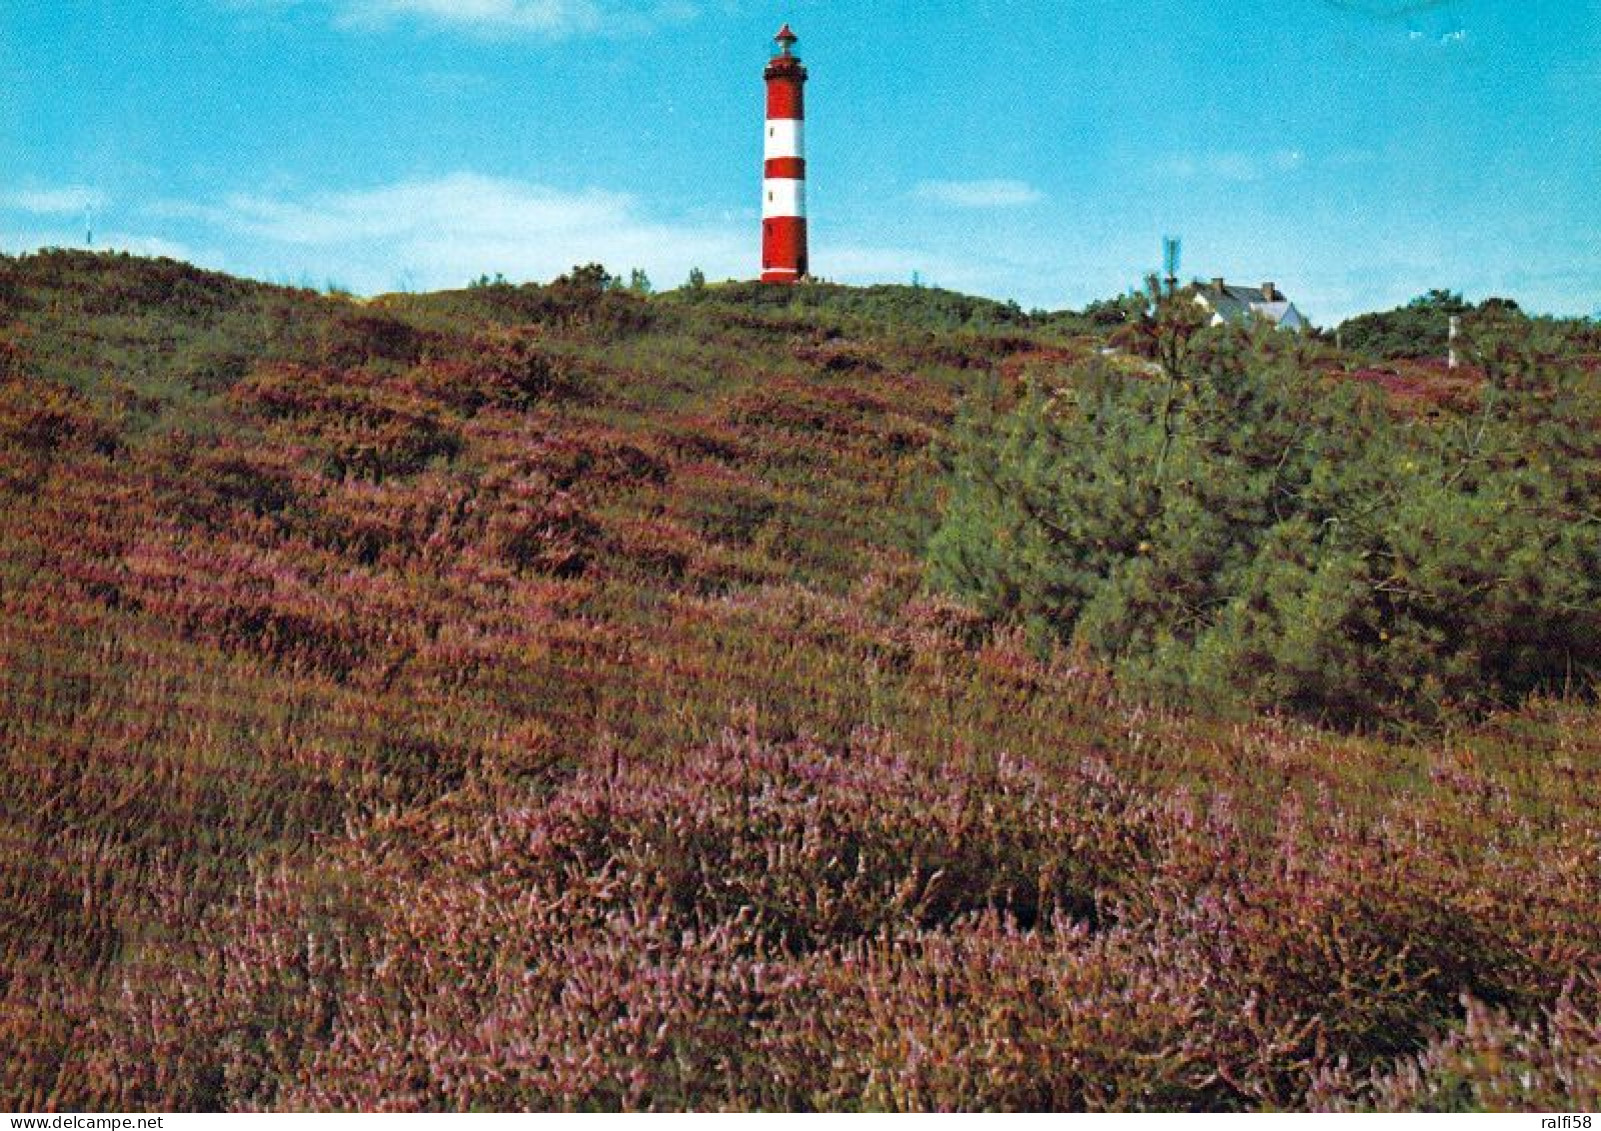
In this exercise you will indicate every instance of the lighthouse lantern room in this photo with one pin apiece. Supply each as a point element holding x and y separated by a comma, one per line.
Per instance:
<point>784,172</point>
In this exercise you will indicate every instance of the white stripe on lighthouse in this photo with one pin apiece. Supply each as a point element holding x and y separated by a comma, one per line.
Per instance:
<point>783,197</point>
<point>786,137</point>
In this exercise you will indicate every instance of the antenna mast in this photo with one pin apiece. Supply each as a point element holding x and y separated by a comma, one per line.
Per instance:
<point>1172,250</point>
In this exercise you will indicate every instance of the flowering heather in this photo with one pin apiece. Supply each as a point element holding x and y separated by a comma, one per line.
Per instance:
<point>530,698</point>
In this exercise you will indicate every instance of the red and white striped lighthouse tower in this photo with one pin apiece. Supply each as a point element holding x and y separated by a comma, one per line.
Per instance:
<point>784,174</point>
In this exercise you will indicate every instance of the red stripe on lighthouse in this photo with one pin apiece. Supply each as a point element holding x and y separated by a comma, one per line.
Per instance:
<point>793,167</point>
<point>786,100</point>
<point>783,249</point>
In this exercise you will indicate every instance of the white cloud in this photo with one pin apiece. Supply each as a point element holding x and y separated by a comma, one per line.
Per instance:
<point>441,232</point>
<point>543,17</point>
<point>552,19</point>
<point>980,194</point>
<point>1453,38</point>
<point>1235,166</point>
<point>444,231</point>
<point>68,199</point>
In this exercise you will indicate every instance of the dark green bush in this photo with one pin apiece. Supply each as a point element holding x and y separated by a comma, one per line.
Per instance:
<point>1421,328</point>
<point>1235,529</point>
<point>1418,329</point>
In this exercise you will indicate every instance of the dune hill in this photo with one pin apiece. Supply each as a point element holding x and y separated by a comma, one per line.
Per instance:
<point>530,697</point>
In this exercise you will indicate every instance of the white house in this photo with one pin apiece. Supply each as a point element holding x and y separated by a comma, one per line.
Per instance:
<point>1242,304</point>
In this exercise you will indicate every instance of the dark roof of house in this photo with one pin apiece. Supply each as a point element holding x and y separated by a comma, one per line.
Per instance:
<point>1235,303</point>
<point>1231,299</point>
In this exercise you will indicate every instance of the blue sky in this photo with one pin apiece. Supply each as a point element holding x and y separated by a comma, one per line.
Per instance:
<point>1358,152</point>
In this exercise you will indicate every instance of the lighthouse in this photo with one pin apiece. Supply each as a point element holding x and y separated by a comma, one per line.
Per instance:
<point>784,171</point>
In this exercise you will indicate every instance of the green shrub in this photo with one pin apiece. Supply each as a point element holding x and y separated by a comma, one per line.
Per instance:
<point>1418,329</point>
<point>1237,530</point>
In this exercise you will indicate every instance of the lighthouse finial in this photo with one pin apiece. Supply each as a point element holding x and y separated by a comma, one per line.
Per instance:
<point>786,38</point>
